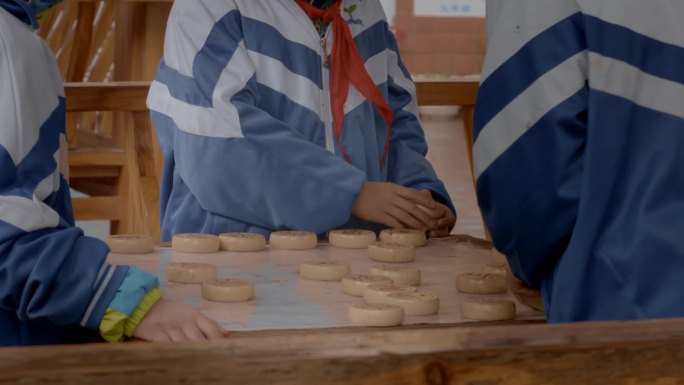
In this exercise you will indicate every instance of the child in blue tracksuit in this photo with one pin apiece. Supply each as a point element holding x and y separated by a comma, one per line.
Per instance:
<point>54,282</point>
<point>578,153</point>
<point>289,114</point>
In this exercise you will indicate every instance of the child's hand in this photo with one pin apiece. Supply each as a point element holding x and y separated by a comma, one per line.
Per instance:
<point>439,233</point>
<point>524,294</point>
<point>173,321</point>
<point>443,220</point>
<point>394,206</point>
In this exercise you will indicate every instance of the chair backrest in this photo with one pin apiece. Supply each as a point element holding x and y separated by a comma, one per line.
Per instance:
<point>107,40</point>
<point>134,161</point>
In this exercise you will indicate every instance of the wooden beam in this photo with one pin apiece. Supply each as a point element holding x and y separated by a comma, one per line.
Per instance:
<point>97,172</point>
<point>108,157</point>
<point>97,208</point>
<point>118,96</point>
<point>446,93</point>
<point>131,96</point>
<point>647,352</point>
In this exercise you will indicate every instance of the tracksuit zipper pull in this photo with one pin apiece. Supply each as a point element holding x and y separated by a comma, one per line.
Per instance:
<point>324,47</point>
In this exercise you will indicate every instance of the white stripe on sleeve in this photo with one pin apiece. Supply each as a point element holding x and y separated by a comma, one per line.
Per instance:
<point>545,94</point>
<point>515,23</point>
<point>656,19</point>
<point>26,214</point>
<point>624,80</point>
<point>97,296</point>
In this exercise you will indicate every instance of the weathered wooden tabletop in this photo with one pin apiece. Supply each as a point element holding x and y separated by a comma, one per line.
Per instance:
<point>284,301</point>
<point>320,348</point>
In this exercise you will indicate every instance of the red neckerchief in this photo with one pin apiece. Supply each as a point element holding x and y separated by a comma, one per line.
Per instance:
<point>347,67</point>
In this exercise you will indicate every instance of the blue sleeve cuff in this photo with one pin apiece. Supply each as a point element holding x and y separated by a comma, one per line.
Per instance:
<point>132,290</point>
<point>443,199</point>
<point>108,280</point>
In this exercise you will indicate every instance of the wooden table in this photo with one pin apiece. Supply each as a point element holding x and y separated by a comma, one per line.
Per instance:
<point>321,348</point>
<point>648,353</point>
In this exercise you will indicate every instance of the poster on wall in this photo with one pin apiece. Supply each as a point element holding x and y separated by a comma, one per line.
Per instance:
<point>449,8</point>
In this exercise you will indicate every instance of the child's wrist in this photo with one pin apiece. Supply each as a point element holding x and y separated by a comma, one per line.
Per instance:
<point>139,314</point>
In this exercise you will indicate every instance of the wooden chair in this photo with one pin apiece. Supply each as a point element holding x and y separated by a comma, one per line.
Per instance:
<point>129,200</point>
<point>104,41</point>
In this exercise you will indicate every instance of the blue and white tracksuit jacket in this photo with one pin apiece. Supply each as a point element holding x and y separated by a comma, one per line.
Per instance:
<point>579,153</point>
<point>242,109</point>
<point>53,280</point>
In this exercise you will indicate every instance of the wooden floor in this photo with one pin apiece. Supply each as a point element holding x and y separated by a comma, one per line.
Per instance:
<point>284,301</point>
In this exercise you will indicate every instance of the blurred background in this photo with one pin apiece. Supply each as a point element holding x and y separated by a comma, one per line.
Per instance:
<point>439,37</point>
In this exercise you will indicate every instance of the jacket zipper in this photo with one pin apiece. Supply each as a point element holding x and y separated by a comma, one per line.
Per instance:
<point>325,96</point>
<point>325,92</point>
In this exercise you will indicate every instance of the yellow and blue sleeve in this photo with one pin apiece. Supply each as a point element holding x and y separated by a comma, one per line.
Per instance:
<point>136,295</point>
